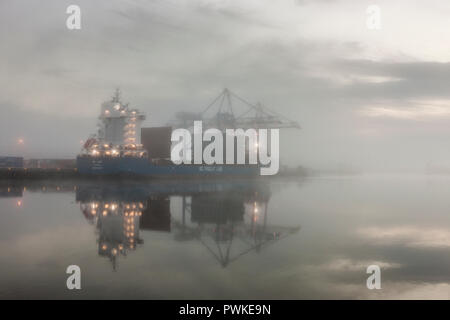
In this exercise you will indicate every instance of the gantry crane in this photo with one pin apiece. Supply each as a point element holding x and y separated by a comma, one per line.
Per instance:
<point>254,116</point>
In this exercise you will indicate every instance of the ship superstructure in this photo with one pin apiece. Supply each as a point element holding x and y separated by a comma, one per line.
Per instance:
<point>118,134</point>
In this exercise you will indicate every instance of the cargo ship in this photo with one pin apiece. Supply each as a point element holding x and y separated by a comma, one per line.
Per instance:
<point>122,147</point>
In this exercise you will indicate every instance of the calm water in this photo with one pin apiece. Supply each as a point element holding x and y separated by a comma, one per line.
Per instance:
<point>283,240</point>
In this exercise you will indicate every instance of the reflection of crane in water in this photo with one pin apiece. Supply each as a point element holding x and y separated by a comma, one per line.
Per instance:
<point>229,221</point>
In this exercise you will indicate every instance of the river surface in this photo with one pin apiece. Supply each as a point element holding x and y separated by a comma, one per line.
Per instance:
<point>307,239</point>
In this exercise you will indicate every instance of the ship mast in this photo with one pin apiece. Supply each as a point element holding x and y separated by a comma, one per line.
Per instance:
<point>116,97</point>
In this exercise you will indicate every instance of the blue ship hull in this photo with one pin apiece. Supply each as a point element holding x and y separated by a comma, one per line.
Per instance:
<point>143,167</point>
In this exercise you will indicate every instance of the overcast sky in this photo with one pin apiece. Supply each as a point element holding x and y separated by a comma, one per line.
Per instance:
<point>373,99</point>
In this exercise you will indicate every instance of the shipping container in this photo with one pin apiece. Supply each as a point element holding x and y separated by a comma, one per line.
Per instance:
<point>51,163</point>
<point>157,142</point>
<point>11,162</point>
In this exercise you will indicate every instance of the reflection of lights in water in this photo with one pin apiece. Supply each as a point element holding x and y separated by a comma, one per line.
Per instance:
<point>117,226</point>
<point>243,231</point>
<point>20,141</point>
<point>255,216</point>
<point>19,203</point>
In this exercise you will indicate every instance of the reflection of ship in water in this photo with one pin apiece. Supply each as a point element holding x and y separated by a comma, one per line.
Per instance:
<point>117,223</point>
<point>11,191</point>
<point>230,219</point>
<point>115,212</point>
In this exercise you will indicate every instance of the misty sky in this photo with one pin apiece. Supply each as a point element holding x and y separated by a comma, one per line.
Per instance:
<point>375,100</point>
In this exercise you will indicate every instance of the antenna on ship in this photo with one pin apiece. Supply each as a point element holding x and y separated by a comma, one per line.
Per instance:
<point>116,97</point>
